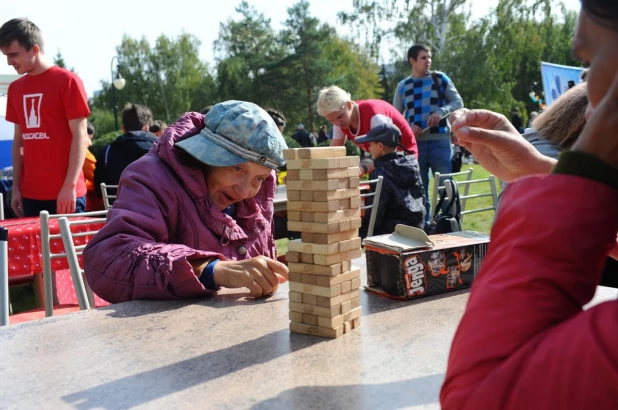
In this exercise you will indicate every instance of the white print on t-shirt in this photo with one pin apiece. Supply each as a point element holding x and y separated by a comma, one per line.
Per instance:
<point>32,110</point>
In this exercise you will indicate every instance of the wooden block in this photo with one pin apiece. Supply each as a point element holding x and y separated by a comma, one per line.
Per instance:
<point>293,175</point>
<point>316,310</point>
<point>347,245</point>
<point>356,323</point>
<point>346,286</point>
<point>296,297</point>
<point>337,321</point>
<point>347,326</point>
<point>345,225</point>
<point>334,280</point>
<point>321,238</point>
<point>315,227</point>
<point>353,171</point>
<point>292,256</point>
<point>346,266</point>
<point>337,300</point>
<point>320,163</point>
<point>309,319</point>
<point>293,195</point>
<point>307,258</point>
<point>331,270</point>
<point>356,283</point>
<point>347,162</point>
<point>307,216</point>
<point>337,257</point>
<point>309,299</point>
<point>315,330</point>
<point>346,306</point>
<point>294,216</point>
<point>355,202</point>
<point>327,292</point>
<point>298,245</point>
<point>336,216</point>
<point>290,153</point>
<point>330,185</point>
<point>306,196</point>
<point>295,277</point>
<point>353,182</point>
<point>306,174</point>
<point>296,316</point>
<point>322,196</point>
<point>328,206</point>
<point>309,279</point>
<point>321,152</point>
<point>356,223</point>
<point>326,174</point>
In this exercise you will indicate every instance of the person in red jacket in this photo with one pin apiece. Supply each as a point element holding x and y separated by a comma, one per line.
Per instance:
<point>525,341</point>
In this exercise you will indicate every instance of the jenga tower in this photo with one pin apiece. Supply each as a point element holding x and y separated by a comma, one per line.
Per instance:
<point>324,205</point>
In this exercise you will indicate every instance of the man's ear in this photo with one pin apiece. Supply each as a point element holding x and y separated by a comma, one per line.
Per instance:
<point>36,49</point>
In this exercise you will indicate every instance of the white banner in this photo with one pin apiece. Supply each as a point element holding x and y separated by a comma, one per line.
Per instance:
<point>557,79</point>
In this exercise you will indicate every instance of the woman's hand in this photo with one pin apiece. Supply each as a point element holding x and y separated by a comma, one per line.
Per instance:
<point>261,275</point>
<point>497,145</point>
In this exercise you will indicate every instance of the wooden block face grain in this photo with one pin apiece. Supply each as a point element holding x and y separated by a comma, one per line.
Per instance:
<point>309,319</point>
<point>316,310</point>
<point>356,322</point>
<point>295,277</point>
<point>337,257</point>
<point>345,225</point>
<point>356,302</point>
<point>346,286</point>
<point>353,171</point>
<point>347,327</point>
<point>306,174</point>
<point>306,257</point>
<point>290,153</point>
<point>349,244</point>
<point>309,279</point>
<point>355,202</point>
<point>356,283</point>
<point>315,227</point>
<point>339,215</point>
<point>293,195</point>
<point>330,185</point>
<point>321,163</point>
<point>346,266</point>
<point>346,306</point>
<point>296,316</point>
<point>309,299</point>
<point>306,216</point>
<point>296,297</point>
<point>297,245</point>
<point>322,196</point>
<point>338,300</point>
<point>331,281</point>
<point>347,162</point>
<point>326,174</point>
<point>315,330</point>
<point>353,182</point>
<point>306,196</point>
<point>331,270</point>
<point>321,238</point>
<point>338,320</point>
<point>329,206</point>
<point>293,175</point>
<point>294,215</point>
<point>327,292</point>
<point>292,256</point>
<point>321,152</point>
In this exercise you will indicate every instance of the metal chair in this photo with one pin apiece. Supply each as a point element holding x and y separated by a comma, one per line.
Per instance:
<point>374,205</point>
<point>4,277</point>
<point>438,181</point>
<point>107,195</point>
<point>493,193</point>
<point>1,206</point>
<point>47,257</point>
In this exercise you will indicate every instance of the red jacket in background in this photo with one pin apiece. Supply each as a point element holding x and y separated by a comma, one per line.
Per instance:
<point>524,341</point>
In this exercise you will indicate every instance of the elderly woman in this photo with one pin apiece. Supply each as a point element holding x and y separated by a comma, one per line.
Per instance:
<point>525,341</point>
<point>353,119</point>
<point>195,213</point>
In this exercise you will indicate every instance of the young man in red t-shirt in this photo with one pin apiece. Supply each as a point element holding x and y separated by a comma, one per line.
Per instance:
<point>49,108</point>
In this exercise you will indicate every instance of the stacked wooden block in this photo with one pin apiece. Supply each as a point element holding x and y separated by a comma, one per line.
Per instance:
<point>324,205</point>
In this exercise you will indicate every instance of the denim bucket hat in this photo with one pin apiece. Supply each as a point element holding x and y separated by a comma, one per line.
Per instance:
<point>237,132</point>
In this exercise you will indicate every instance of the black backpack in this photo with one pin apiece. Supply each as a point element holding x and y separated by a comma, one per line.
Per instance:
<point>445,222</point>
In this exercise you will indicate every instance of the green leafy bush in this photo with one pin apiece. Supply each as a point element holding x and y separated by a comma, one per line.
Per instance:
<point>101,141</point>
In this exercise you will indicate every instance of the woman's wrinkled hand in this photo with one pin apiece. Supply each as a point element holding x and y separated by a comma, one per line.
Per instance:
<point>497,145</point>
<point>261,275</point>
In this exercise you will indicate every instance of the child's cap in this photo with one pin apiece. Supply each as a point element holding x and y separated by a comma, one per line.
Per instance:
<point>387,134</point>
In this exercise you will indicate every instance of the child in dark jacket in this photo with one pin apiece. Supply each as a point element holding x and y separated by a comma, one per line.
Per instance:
<point>402,198</point>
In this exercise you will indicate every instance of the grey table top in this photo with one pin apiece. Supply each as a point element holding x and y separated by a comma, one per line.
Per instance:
<point>229,351</point>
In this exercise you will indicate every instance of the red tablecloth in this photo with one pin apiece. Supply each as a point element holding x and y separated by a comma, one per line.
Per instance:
<point>25,253</point>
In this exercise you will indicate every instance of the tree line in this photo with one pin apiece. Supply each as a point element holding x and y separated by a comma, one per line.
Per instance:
<point>494,61</point>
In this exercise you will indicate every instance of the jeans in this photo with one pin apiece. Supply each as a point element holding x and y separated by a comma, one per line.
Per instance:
<point>436,155</point>
<point>33,207</point>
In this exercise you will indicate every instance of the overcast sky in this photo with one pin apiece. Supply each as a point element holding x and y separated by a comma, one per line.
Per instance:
<point>87,32</point>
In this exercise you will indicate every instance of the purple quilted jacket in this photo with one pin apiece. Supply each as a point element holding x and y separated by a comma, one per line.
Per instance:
<point>162,219</point>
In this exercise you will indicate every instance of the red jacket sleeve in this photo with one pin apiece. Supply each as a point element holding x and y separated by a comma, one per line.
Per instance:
<point>524,341</point>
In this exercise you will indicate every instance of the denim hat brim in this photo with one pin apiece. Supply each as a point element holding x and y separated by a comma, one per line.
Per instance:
<point>209,153</point>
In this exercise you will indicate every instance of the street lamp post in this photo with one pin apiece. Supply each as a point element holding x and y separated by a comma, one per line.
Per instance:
<point>118,83</point>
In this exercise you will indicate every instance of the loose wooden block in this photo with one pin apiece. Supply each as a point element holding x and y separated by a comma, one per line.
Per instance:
<point>307,258</point>
<point>339,215</point>
<point>309,299</point>
<point>320,163</point>
<point>322,196</point>
<point>306,196</point>
<point>290,153</point>
<point>294,215</point>
<point>336,258</point>
<point>316,310</point>
<point>309,319</point>
<point>321,152</point>
<point>337,300</point>
<point>292,256</point>
<point>327,292</point>
<point>295,277</point>
<point>346,286</point>
<point>356,283</point>
<point>331,270</point>
<point>347,245</point>
<point>296,297</point>
<point>293,175</point>
<point>309,279</point>
<point>315,330</point>
<point>297,245</point>
<point>293,195</point>
<point>296,316</point>
<point>321,238</point>
<point>337,321</point>
<point>328,281</point>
